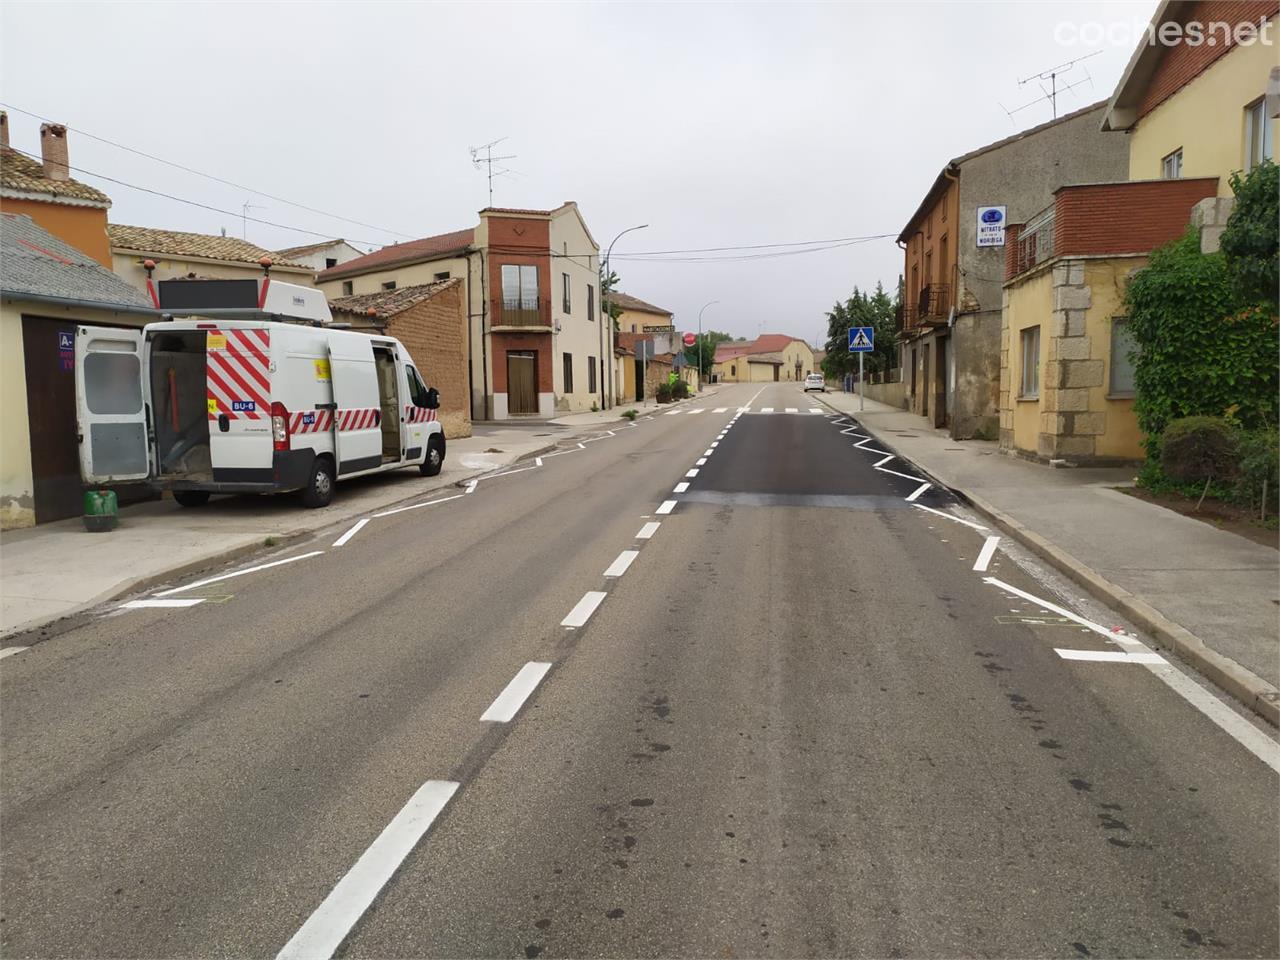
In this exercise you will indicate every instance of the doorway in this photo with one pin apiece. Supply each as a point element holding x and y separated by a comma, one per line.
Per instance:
<point>522,381</point>
<point>384,364</point>
<point>639,379</point>
<point>924,394</point>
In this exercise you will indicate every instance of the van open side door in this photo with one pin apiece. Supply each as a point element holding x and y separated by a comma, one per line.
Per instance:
<point>112,404</point>
<point>357,432</point>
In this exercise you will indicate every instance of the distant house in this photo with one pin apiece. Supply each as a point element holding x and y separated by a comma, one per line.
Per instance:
<point>636,316</point>
<point>47,289</point>
<point>44,190</point>
<point>537,343</point>
<point>430,319</point>
<point>178,255</point>
<point>320,256</point>
<point>769,357</point>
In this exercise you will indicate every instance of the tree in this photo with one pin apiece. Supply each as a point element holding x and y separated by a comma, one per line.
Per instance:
<point>608,284</point>
<point>708,342</point>
<point>1251,241</point>
<point>878,311</point>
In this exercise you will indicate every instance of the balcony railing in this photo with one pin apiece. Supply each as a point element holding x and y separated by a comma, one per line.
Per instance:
<point>1035,241</point>
<point>932,303</point>
<point>518,312</point>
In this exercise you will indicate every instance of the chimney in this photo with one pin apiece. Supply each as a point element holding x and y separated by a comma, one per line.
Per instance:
<point>4,130</point>
<point>53,151</point>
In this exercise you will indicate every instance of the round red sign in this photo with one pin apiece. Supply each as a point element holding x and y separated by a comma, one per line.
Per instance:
<point>690,339</point>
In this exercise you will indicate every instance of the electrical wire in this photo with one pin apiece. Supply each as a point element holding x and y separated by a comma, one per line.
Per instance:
<point>210,176</point>
<point>196,203</point>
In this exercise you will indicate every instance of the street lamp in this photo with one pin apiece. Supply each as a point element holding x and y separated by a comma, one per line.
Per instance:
<point>605,313</point>
<point>704,307</point>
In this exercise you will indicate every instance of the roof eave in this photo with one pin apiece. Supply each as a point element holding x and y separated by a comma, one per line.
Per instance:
<point>196,258</point>
<point>339,273</point>
<point>77,302</point>
<point>1121,112</point>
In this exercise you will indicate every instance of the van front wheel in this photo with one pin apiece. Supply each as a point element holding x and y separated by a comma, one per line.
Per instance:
<point>191,498</point>
<point>319,489</point>
<point>434,461</point>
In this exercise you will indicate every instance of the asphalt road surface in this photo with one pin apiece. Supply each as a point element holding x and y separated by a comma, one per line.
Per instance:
<point>798,707</point>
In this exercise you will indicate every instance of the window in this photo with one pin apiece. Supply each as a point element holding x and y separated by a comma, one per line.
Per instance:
<point>389,285</point>
<point>330,262</point>
<point>564,279</point>
<point>1171,166</point>
<point>417,389</point>
<point>519,287</point>
<point>1030,363</point>
<point>443,275</point>
<point>568,373</point>
<point>928,268</point>
<point>942,258</point>
<point>1123,347</point>
<point>1257,134</point>
<point>591,303</point>
<point>733,369</point>
<point>348,287</point>
<point>591,374</point>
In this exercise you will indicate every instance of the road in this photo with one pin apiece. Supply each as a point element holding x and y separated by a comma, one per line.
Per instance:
<point>787,717</point>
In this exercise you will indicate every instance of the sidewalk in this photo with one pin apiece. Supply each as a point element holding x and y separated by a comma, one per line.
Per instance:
<point>57,569</point>
<point>1209,595</point>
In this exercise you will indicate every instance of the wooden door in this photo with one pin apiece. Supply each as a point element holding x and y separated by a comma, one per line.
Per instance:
<point>522,381</point>
<point>49,359</point>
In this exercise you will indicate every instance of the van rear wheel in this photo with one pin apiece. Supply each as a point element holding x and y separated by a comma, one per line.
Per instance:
<point>319,489</point>
<point>191,498</point>
<point>434,461</point>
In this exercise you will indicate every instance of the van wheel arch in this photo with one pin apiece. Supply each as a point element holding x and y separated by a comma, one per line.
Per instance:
<point>433,461</point>
<point>320,482</point>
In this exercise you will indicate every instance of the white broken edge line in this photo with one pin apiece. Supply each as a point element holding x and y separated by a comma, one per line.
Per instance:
<point>240,573</point>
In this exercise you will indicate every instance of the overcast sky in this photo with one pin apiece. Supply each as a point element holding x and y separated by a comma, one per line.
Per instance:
<point>716,124</point>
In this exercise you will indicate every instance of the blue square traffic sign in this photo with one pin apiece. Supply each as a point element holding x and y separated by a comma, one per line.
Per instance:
<point>862,339</point>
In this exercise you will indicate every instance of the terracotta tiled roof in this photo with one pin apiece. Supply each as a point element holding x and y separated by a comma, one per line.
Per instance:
<point>773,358</point>
<point>174,243</point>
<point>387,303</point>
<point>306,248</point>
<point>20,172</point>
<point>411,251</point>
<point>532,213</point>
<point>765,343</point>
<point>627,302</point>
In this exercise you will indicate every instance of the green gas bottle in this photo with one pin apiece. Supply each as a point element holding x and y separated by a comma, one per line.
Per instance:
<point>100,511</point>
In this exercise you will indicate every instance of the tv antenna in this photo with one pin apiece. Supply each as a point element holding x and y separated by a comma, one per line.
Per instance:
<point>244,217</point>
<point>488,160</point>
<point>1051,92</point>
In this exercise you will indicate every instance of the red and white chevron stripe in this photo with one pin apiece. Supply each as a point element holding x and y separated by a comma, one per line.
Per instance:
<point>419,415</point>
<point>237,374</point>
<point>363,418</point>
<point>313,421</point>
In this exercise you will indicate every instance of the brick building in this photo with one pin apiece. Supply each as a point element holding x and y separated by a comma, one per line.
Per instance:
<point>431,321</point>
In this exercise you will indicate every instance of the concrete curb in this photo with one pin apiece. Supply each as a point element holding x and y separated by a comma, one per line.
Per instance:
<point>1254,692</point>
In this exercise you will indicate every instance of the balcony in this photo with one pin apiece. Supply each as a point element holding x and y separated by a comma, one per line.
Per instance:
<point>1035,243</point>
<point>932,303</point>
<point>520,312</point>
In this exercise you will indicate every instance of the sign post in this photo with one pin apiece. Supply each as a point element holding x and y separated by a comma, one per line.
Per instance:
<point>861,340</point>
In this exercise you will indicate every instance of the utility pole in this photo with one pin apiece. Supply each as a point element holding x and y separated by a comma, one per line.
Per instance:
<point>606,316</point>
<point>704,307</point>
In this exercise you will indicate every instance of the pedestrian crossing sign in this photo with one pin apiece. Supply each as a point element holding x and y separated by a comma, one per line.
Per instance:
<point>862,339</point>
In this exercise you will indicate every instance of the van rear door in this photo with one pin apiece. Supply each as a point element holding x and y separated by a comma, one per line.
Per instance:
<point>112,404</point>
<point>357,413</point>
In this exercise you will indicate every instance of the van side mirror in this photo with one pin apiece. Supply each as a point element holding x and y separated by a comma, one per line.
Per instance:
<point>433,399</point>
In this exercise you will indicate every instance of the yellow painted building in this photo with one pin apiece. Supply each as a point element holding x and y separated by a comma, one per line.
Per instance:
<point>770,357</point>
<point>1208,126</point>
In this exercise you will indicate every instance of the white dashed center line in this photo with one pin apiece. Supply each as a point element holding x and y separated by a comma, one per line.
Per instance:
<point>666,507</point>
<point>620,565</point>
<point>515,693</point>
<point>648,530</point>
<point>584,608</point>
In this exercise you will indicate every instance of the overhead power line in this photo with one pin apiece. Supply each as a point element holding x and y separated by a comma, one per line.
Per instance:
<point>196,203</point>
<point>210,176</point>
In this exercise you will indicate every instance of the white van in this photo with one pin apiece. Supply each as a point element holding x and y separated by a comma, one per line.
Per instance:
<point>234,400</point>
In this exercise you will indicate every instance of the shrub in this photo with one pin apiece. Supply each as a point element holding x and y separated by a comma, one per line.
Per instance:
<point>679,390</point>
<point>1258,482</point>
<point>1251,240</point>
<point>629,414</point>
<point>1199,450</point>
<point>663,393</point>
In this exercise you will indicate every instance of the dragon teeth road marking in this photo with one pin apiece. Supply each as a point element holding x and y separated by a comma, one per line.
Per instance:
<point>967,523</point>
<point>666,507</point>
<point>514,694</point>
<point>988,551</point>
<point>325,929</point>
<point>918,491</point>
<point>692,473</point>
<point>681,487</point>
<point>584,608</point>
<point>240,573</point>
<point>620,565</point>
<point>147,604</point>
<point>880,463</point>
<point>359,525</point>
<point>648,530</point>
<point>1109,656</point>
